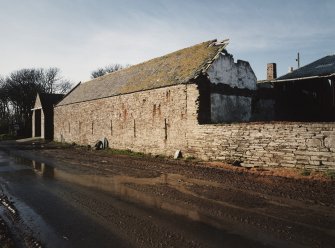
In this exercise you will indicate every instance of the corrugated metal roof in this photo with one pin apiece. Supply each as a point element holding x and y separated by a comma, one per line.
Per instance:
<point>175,68</point>
<point>322,67</point>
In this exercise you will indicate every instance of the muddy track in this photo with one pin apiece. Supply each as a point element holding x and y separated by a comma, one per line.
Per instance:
<point>14,232</point>
<point>279,210</point>
<point>6,238</point>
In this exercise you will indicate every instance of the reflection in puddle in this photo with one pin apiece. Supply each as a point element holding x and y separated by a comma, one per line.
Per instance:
<point>123,186</point>
<point>134,189</point>
<point>39,168</point>
<point>43,169</point>
<point>118,185</point>
<point>26,226</point>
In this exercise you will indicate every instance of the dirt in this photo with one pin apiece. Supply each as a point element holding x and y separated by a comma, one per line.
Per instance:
<point>6,240</point>
<point>280,207</point>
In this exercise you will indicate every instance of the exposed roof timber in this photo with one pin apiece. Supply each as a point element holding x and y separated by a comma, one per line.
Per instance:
<point>223,45</point>
<point>224,42</point>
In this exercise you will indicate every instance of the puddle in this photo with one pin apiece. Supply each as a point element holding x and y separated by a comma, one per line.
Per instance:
<point>117,185</point>
<point>43,169</point>
<point>22,219</point>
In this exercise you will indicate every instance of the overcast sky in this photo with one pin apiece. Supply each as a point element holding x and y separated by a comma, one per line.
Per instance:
<point>79,36</point>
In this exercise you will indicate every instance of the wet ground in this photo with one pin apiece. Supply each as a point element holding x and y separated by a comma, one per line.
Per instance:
<point>54,196</point>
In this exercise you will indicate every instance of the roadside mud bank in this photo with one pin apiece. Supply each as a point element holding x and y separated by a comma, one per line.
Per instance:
<point>257,207</point>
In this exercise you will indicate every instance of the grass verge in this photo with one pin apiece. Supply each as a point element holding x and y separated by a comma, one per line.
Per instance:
<point>330,174</point>
<point>305,172</point>
<point>125,152</point>
<point>5,136</point>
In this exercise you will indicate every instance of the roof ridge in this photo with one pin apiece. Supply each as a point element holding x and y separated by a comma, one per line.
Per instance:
<point>212,43</point>
<point>314,68</point>
<point>174,68</point>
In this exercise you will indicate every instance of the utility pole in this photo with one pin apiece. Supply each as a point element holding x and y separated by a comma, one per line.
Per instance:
<point>298,60</point>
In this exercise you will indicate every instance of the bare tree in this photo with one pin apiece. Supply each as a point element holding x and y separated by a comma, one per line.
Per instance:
<point>4,107</point>
<point>52,82</point>
<point>107,69</point>
<point>20,89</point>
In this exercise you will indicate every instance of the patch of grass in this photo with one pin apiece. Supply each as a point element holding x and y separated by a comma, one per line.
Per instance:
<point>60,144</point>
<point>6,136</point>
<point>190,158</point>
<point>159,156</point>
<point>305,172</point>
<point>330,174</point>
<point>125,152</point>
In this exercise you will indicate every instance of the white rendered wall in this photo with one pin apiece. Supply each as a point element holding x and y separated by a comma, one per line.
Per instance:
<point>225,71</point>
<point>231,108</point>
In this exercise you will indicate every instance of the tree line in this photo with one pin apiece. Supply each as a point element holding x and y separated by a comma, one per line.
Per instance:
<point>18,92</point>
<point>107,69</point>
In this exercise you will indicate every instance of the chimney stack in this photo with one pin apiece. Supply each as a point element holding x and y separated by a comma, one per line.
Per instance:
<point>271,71</point>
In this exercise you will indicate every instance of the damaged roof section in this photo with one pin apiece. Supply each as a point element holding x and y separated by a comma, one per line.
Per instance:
<point>323,67</point>
<point>175,68</point>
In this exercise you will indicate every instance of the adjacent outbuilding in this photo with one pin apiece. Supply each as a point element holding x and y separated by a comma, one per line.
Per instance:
<point>42,117</point>
<point>305,94</point>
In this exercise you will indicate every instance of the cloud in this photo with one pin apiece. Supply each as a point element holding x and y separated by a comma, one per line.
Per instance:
<point>79,36</point>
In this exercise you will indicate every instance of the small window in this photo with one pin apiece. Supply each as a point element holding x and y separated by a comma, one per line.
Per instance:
<point>111,127</point>
<point>165,129</point>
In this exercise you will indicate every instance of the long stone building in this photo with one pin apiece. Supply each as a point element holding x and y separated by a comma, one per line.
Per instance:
<point>152,106</point>
<point>177,102</point>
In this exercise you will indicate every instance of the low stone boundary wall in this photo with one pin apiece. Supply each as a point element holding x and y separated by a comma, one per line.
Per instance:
<point>301,145</point>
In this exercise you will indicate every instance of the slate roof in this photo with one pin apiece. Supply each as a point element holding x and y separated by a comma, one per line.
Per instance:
<point>175,68</point>
<point>49,100</point>
<point>322,67</point>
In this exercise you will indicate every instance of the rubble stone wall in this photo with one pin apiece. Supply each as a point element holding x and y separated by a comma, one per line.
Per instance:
<point>164,120</point>
<point>301,145</point>
<point>152,121</point>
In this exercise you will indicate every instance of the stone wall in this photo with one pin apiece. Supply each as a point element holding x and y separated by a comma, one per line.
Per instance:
<point>164,120</point>
<point>153,121</point>
<point>302,145</point>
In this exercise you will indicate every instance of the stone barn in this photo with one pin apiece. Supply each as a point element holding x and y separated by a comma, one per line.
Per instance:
<point>42,118</point>
<point>151,107</point>
<point>197,100</point>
